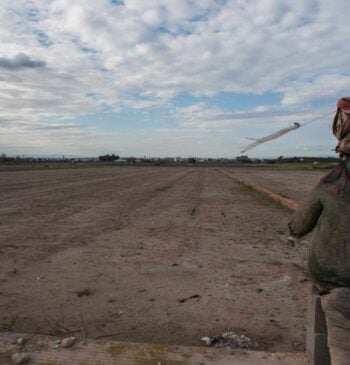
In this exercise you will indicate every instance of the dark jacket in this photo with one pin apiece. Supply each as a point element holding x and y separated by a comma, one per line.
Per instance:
<point>327,213</point>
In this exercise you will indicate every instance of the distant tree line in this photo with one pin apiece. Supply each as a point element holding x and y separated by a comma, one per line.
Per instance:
<point>5,158</point>
<point>111,157</point>
<point>26,159</point>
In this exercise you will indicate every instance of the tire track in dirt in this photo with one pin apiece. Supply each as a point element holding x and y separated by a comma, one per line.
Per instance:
<point>132,207</point>
<point>74,220</point>
<point>196,244</point>
<point>48,184</point>
<point>199,243</point>
<point>263,277</point>
<point>189,233</point>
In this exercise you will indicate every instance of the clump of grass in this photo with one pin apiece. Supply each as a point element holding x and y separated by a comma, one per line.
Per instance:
<point>8,326</point>
<point>85,292</point>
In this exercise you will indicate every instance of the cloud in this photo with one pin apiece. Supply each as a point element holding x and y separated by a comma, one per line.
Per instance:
<point>20,61</point>
<point>136,54</point>
<point>322,88</point>
<point>202,117</point>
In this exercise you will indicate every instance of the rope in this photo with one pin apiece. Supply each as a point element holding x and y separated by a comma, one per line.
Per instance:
<point>280,133</point>
<point>317,118</point>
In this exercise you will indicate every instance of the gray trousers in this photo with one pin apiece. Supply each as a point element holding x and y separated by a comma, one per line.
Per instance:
<point>336,307</point>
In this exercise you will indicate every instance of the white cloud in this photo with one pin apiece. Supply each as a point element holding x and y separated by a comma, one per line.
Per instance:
<point>321,88</point>
<point>157,49</point>
<point>201,117</point>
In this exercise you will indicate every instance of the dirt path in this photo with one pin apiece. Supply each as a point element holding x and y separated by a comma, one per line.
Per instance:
<point>160,255</point>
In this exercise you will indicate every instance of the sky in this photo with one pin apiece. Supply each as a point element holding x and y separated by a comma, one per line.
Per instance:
<point>170,77</point>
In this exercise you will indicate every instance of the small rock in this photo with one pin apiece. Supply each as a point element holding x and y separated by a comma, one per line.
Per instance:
<point>68,342</point>
<point>20,340</point>
<point>291,241</point>
<point>207,340</point>
<point>57,342</point>
<point>20,357</point>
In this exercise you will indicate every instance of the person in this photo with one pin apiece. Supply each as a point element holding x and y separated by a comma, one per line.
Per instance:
<point>327,214</point>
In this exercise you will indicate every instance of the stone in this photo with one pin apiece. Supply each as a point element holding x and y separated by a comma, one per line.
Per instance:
<point>20,358</point>
<point>68,342</point>
<point>20,341</point>
<point>291,241</point>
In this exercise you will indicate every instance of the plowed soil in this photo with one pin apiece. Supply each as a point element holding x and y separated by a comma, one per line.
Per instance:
<point>149,254</point>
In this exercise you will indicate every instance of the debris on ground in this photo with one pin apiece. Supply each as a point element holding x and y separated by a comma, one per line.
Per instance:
<point>281,283</point>
<point>291,241</point>
<point>68,342</point>
<point>183,300</point>
<point>56,344</point>
<point>20,358</point>
<point>20,340</point>
<point>229,339</point>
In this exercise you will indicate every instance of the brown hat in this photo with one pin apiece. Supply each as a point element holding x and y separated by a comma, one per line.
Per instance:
<point>344,104</point>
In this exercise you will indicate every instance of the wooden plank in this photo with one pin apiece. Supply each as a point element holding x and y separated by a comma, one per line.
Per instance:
<point>42,351</point>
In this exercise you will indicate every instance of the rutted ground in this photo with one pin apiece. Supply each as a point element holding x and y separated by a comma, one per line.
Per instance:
<point>161,255</point>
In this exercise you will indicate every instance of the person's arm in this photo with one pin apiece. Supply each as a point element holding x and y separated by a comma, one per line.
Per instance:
<point>305,218</point>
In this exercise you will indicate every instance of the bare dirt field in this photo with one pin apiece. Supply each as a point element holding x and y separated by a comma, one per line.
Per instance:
<point>151,254</point>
